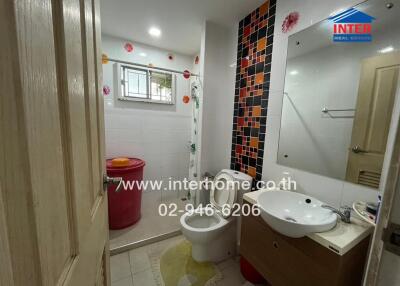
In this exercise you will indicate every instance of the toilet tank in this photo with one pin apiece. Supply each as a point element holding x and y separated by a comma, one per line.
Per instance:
<point>239,176</point>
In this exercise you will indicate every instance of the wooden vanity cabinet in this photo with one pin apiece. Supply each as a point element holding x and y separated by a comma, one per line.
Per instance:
<point>285,261</point>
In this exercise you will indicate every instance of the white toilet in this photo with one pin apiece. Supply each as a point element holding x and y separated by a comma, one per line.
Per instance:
<point>214,237</point>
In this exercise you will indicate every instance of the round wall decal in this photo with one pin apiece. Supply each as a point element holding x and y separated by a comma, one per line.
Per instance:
<point>186,99</point>
<point>186,74</point>
<point>290,21</point>
<point>106,90</point>
<point>104,59</point>
<point>128,47</point>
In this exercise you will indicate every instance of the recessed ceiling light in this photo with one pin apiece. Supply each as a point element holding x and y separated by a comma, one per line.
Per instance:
<point>143,54</point>
<point>386,50</point>
<point>293,72</point>
<point>155,32</point>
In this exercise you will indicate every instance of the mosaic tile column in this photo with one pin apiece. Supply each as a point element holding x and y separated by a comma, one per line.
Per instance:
<point>253,75</point>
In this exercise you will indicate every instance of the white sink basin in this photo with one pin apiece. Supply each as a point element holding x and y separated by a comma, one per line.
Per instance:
<point>293,214</point>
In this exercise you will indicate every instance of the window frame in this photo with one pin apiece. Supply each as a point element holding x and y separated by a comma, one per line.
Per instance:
<point>120,81</point>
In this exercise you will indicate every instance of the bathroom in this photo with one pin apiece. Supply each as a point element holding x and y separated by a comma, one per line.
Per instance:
<point>271,126</point>
<point>213,61</point>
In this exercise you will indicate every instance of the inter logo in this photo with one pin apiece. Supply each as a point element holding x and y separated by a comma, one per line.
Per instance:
<point>352,26</point>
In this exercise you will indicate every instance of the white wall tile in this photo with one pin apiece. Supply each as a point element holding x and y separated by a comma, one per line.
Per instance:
<point>151,132</point>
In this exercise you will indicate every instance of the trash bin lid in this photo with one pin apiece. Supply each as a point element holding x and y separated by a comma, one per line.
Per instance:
<point>121,163</point>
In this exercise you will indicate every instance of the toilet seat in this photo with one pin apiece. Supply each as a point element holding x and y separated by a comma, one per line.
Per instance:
<point>212,236</point>
<point>198,223</point>
<point>220,197</point>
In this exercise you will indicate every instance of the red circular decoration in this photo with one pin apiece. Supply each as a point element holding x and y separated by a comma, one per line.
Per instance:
<point>290,21</point>
<point>170,57</point>
<point>186,74</point>
<point>128,47</point>
<point>106,90</point>
<point>186,99</point>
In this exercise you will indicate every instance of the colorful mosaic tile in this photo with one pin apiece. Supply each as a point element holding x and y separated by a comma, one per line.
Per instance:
<point>252,89</point>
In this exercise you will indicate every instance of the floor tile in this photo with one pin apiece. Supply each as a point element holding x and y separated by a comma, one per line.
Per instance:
<point>123,282</point>
<point>139,260</point>
<point>226,263</point>
<point>144,278</point>
<point>120,267</point>
<point>138,263</point>
<point>159,247</point>
<point>232,276</point>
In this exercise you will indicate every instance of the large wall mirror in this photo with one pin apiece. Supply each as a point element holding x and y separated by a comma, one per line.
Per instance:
<point>339,96</point>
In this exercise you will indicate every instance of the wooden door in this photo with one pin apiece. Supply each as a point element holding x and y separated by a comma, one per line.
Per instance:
<point>376,94</point>
<point>53,210</point>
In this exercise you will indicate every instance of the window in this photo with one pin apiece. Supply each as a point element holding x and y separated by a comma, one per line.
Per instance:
<point>147,85</point>
<point>134,82</point>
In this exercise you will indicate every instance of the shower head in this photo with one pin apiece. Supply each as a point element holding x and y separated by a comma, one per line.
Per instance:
<point>194,90</point>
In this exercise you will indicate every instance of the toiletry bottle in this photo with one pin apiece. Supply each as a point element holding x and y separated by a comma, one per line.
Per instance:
<point>378,208</point>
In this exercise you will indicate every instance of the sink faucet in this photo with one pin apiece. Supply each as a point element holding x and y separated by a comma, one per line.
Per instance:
<point>344,215</point>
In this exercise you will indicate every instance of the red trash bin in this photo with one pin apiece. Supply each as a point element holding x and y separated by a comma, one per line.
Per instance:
<point>124,207</point>
<point>250,273</point>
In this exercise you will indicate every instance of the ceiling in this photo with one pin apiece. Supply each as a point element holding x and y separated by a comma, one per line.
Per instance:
<point>179,20</point>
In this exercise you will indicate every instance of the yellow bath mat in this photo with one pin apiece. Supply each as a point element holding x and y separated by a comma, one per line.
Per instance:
<point>176,267</point>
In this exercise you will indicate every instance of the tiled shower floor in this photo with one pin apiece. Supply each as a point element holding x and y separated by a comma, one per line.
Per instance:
<point>151,223</point>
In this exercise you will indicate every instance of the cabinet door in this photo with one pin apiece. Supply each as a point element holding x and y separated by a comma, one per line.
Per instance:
<point>286,261</point>
<point>280,262</point>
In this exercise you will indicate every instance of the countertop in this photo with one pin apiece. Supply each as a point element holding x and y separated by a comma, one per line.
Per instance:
<point>340,239</point>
